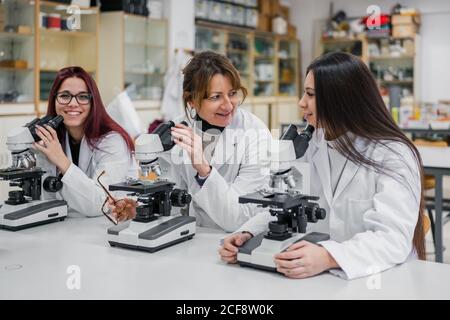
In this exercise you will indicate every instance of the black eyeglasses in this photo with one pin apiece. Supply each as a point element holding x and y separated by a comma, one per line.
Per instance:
<point>65,97</point>
<point>105,211</point>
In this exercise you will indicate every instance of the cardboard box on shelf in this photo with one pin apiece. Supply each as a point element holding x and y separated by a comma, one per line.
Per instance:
<point>24,29</point>
<point>2,18</point>
<point>292,31</point>
<point>275,7</point>
<point>264,23</point>
<point>19,64</point>
<point>405,19</point>
<point>284,12</point>
<point>404,30</point>
<point>265,7</point>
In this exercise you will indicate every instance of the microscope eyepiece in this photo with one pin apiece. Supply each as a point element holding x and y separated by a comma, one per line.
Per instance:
<point>165,134</point>
<point>51,121</point>
<point>301,141</point>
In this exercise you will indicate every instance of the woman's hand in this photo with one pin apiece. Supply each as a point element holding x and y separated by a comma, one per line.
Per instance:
<point>122,210</point>
<point>304,259</point>
<point>192,143</point>
<point>51,148</point>
<point>228,252</point>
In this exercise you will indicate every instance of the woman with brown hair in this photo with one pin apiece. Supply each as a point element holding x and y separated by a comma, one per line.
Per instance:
<point>222,153</point>
<point>367,173</point>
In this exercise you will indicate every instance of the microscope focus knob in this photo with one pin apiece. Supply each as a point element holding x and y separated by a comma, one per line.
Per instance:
<point>180,198</point>
<point>52,184</point>
<point>321,213</point>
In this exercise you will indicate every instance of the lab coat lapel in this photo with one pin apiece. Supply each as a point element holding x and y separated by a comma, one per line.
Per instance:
<point>86,153</point>
<point>351,168</point>
<point>322,165</point>
<point>225,148</point>
<point>67,147</point>
<point>347,176</point>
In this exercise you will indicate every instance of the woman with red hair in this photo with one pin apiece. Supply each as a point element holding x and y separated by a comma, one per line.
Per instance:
<point>88,142</point>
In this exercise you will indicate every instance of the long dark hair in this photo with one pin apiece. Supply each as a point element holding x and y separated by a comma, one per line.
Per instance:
<point>348,100</point>
<point>98,122</point>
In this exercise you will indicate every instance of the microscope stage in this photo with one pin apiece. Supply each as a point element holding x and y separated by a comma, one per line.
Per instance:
<point>142,187</point>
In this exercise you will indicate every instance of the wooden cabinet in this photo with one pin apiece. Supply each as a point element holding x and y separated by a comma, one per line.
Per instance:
<point>17,48</point>
<point>37,38</point>
<point>65,38</point>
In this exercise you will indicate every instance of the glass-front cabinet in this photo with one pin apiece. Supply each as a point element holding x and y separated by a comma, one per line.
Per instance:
<point>17,58</point>
<point>145,57</point>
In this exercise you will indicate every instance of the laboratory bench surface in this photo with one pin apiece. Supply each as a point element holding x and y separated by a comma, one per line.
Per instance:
<point>44,263</point>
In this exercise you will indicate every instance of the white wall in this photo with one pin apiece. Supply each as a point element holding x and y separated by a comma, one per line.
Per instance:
<point>435,36</point>
<point>181,17</point>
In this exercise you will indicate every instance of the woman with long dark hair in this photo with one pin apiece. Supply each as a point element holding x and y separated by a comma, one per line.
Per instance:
<point>88,142</point>
<point>366,172</point>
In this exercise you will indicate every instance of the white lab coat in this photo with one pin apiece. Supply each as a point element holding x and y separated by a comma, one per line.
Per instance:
<point>80,189</point>
<point>240,165</point>
<point>371,217</point>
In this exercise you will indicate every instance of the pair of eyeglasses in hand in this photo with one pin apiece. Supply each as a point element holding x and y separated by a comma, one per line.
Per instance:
<point>105,209</point>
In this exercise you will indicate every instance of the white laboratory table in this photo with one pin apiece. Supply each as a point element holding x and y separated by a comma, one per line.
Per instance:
<point>436,162</point>
<point>34,264</point>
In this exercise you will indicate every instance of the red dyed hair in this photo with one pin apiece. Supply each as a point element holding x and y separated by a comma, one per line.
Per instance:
<point>98,122</point>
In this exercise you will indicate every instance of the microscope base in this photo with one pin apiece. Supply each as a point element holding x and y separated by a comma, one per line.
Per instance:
<point>34,213</point>
<point>258,252</point>
<point>152,236</point>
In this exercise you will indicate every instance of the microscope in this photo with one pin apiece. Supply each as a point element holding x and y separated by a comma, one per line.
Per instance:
<point>35,203</point>
<point>287,198</point>
<point>154,227</point>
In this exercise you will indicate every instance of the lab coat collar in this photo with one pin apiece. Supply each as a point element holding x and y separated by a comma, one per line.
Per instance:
<point>85,156</point>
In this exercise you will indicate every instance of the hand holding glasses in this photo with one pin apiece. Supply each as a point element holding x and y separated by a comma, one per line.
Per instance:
<point>108,199</point>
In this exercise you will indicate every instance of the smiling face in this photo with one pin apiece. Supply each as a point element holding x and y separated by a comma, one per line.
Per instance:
<point>77,110</point>
<point>308,101</point>
<point>220,105</point>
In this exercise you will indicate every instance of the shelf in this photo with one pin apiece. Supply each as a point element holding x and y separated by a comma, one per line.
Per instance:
<point>391,57</point>
<point>16,103</point>
<point>240,51</point>
<point>245,6</point>
<point>405,82</point>
<point>61,5</point>
<point>146,18</point>
<point>22,2</point>
<point>144,72</point>
<point>56,70</point>
<point>218,24</point>
<point>291,83</point>
<point>342,40</point>
<point>140,44</point>
<point>15,35</point>
<point>60,33</point>
<point>264,57</point>
<point>264,81</point>
<point>16,69</point>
